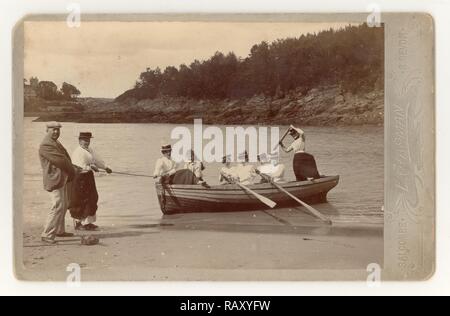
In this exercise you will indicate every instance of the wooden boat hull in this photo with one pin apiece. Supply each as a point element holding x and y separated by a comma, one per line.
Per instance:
<point>175,199</point>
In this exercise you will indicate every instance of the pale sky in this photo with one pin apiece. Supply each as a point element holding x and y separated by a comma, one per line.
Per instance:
<point>104,59</point>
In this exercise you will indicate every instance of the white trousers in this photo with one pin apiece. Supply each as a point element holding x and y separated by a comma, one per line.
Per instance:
<point>55,224</point>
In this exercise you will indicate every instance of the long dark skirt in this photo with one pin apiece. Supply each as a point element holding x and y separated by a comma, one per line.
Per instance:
<point>305,167</point>
<point>181,177</point>
<point>84,197</point>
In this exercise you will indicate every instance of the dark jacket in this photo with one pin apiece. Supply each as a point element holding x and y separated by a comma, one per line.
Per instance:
<point>56,164</point>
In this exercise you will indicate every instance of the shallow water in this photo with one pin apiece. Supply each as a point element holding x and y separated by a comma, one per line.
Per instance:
<point>354,153</point>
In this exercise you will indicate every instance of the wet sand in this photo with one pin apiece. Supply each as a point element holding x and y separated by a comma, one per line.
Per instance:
<point>272,245</point>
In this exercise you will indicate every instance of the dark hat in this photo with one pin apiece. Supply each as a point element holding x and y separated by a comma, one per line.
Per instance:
<point>166,148</point>
<point>263,158</point>
<point>84,135</point>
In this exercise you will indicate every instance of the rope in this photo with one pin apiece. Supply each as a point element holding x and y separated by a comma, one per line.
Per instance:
<point>129,174</point>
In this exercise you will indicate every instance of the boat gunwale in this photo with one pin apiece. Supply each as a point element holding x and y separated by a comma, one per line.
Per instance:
<point>261,186</point>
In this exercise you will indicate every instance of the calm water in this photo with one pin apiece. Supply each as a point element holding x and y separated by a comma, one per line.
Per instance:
<point>354,153</point>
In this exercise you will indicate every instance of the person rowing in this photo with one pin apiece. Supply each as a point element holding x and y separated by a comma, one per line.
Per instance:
<point>227,172</point>
<point>270,166</point>
<point>195,165</point>
<point>304,164</point>
<point>245,171</point>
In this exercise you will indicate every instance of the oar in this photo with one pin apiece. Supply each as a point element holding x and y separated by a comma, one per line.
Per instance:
<point>308,207</point>
<point>281,139</point>
<point>263,199</point>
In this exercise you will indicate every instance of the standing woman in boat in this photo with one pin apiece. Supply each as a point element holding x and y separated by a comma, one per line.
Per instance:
<point>304,164</point>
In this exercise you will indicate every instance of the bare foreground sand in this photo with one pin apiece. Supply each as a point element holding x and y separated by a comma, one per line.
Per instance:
<point>275,245</point>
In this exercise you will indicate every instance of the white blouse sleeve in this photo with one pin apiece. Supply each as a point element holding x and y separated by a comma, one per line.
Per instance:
<point>82,159</point>
<point>98,161</point>
<point>297,145</point>
<point>158,167</point>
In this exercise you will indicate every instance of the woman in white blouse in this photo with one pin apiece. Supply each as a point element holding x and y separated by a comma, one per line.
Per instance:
<point>304,164</point>
<point>84,196</point>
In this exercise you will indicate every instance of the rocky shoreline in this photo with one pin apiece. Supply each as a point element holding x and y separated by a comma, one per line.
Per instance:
<point>325,106</point>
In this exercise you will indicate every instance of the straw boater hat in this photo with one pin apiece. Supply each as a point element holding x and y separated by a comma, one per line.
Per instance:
<point>243,156</point>
<point>293,129</point>
<point>166,148</point>
<point>263,158</point>
<point>226,159</point>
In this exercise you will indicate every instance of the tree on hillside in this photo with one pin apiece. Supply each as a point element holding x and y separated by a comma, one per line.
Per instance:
<point>48,90</point>
<point>69,91</point>
<point>149,83</point>
<point>217,75</point>
<point>34,83</point>
<point>169,84</point>
<point>352,57</point>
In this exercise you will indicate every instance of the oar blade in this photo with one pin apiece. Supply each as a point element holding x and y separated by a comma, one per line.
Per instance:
<point>308,207</point>
<point>268,202</point>
<point>260,197</point>
<point>263,199</point>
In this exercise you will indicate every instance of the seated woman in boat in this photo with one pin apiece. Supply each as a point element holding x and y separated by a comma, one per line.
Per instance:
<point>165,167</point>
<point>245,171</point>
<point>304,164</point>
<point>227,172</point>
<point>193,164</point>
<point>166,170</point>
<point>270,167</point>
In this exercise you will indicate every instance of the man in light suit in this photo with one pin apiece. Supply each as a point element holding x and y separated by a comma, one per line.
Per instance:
<point>58,171</point>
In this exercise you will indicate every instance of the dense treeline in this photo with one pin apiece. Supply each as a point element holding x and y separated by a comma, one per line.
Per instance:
<point>48,90</point>
<point>352,57</point>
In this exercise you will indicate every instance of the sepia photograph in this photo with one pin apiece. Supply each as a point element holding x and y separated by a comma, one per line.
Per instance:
<point>202,150</point>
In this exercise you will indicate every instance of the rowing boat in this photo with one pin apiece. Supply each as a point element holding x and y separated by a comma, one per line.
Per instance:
<point>175,199</point>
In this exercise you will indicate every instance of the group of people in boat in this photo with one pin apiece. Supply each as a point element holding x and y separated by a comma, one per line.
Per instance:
<point>70,180</point>
<point>268,169</point>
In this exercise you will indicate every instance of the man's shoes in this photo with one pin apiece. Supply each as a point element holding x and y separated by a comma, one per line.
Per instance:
<point>65,235</point>
<point>48,241</point>
<point>90,227</point>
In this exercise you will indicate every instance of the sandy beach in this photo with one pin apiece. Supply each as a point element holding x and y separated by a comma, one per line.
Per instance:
<point>275,245</point>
